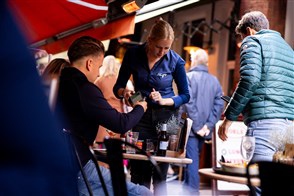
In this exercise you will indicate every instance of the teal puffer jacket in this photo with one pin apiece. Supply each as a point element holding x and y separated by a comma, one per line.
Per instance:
<point>266,86</point>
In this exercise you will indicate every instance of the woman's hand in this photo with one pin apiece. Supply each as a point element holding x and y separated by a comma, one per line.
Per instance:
<point>156,96</point>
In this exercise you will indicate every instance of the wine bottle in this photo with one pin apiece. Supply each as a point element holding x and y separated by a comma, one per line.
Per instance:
<point>162,141</point>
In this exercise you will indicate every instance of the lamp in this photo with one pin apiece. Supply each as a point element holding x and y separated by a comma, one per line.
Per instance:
<point>191,49</point>
<point>133,5</point>
<point>121,8</point>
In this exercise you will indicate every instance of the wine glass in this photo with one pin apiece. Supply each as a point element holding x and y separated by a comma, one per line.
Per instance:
<point>247,148</point>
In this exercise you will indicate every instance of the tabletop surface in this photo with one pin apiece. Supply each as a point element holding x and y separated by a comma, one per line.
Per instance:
<point>178,160</point>
<point>209,172</point>
<point>175,160</point>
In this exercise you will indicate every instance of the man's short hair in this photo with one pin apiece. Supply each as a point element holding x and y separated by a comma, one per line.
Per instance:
<point>85,46</point>
<point>255,20</point>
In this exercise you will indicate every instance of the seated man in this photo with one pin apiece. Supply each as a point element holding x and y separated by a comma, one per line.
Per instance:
<point>83,108</point>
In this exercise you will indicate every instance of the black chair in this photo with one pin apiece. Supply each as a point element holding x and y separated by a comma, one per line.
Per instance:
<point>114,158</point>
<point>275,179</point>
<point>71,137</point>
<point>115,161</point>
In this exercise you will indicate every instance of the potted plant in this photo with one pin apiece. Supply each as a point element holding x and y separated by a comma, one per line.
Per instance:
<point>284,144</point>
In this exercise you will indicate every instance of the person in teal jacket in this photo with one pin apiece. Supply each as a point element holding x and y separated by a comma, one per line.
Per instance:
<point>265,92</point>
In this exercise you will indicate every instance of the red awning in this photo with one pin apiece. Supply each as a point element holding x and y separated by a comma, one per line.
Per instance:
<point>54,24</point>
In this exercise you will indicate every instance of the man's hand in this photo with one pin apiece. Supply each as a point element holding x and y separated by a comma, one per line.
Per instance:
<point>204,131</point>
<point>142,103</point>
<point>223,129</point>
<point>126,93</point>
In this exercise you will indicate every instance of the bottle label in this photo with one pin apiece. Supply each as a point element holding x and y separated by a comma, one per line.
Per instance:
<point>163,145</point>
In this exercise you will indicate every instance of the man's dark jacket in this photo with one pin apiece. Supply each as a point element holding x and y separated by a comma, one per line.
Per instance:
<point>84,108</point>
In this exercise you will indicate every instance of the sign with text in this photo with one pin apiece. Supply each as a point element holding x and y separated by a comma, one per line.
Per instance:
<point>230,150</point>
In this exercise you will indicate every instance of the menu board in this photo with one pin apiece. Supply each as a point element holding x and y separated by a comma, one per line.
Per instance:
<point>230,150</point>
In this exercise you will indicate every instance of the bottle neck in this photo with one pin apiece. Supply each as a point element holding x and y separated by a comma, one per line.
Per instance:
<point>162,133</point>
<point>163,128</point>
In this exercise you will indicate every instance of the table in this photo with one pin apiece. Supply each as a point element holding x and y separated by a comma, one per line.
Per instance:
<point>209,172</point>
<point>174,160</point>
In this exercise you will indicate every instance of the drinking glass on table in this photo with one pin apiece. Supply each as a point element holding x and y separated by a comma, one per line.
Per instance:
<point>131,137</point>
<point>172,144</point>
<point>150,146</point>
<point>247,148</point>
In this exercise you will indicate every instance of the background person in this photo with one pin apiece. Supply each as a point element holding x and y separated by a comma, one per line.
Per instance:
<point>153,66</point>
<point>83,109</point>
<point>105,83</point>
<point>204,108</point>
<point>265,92</point>
<point>42,59</point>
<point>50,81</point>
<point>35,159</point>
<point>53,69</point>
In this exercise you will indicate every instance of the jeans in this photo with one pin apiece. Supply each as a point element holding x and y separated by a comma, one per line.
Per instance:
<point>94,181</point>
<point>143,171</point>
<point>265,133</point>
<point>193,149</point>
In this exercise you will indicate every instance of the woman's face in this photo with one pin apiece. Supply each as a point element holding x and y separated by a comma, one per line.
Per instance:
<point>160,47</point>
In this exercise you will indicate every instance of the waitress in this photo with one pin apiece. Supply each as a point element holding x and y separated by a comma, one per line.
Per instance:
<point>153,66</point>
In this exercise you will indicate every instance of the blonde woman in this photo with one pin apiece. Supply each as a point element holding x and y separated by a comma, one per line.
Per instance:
<point>154,67</point>
<point>105,82</point>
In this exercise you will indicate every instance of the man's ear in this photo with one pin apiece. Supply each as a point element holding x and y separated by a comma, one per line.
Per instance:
<point>250,31</point>
<point>89,64</point>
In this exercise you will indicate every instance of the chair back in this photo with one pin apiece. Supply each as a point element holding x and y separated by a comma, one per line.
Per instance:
<point>115,161</point>
<point>72,137</point>
<point>275,178</point>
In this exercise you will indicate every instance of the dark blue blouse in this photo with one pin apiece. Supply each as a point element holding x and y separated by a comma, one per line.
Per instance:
<point>170,67</point>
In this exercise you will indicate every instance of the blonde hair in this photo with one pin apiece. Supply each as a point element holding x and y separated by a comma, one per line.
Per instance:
<point>161,30</point>
<point>199,57</point>
<point>110,66</point>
